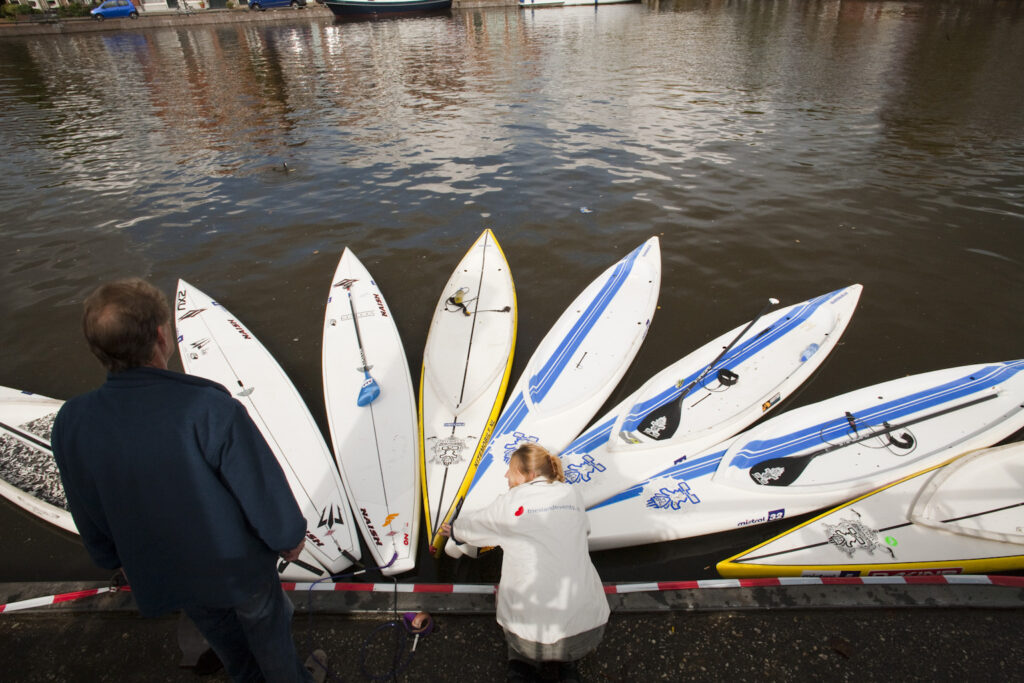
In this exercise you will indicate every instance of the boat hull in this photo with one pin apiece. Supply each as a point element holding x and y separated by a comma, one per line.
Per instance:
<point>345,8</point>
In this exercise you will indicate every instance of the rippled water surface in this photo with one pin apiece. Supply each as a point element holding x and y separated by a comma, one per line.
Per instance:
<point>780,148</point>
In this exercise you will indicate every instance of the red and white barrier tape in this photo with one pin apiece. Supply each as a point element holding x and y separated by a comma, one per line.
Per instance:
<point>656,586</point>
<point>611,589</point>
<point>53,599</point>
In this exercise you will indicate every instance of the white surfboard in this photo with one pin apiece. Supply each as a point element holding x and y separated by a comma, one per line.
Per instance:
<point>819,455</point>
<point>708,396</point>
<point>214,344</point>
<point>466,366</point>
<point>371,409</point>
<point>958,518</point>
<point>29,477</point>
<point>573,371</point>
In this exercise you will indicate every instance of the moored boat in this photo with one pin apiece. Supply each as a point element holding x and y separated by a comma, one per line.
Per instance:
<point>344,8</point>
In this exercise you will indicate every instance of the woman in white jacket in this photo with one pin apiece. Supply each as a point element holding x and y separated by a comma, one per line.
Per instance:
<point>551,603</point>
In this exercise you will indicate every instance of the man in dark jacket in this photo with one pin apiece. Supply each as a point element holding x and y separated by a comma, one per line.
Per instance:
<point>168,478</point>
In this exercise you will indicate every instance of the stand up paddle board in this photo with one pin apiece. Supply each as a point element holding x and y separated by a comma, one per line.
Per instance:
<point>214,344</point>
<point>708,396</point>
<point>466,366</point>
<point>819,455</point>
<point>371,409</point>
<point>963,517</point>
<point>573,371</point>
<point>29,477</point>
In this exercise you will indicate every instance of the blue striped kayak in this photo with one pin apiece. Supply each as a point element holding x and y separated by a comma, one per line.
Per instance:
<point>573,371</point>
<point>709,394</point>
<point>819,455</point>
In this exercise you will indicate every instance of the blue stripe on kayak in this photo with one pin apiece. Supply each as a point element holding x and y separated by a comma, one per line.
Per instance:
<point>511,418</point>
<point>873,416</point>
<point>542,382</point>
<point>590,440</point>
<point>686,470</point>
<point>742,352</point>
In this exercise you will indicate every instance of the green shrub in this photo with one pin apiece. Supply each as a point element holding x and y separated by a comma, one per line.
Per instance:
<point>11,12</point>
<point>75,9</point>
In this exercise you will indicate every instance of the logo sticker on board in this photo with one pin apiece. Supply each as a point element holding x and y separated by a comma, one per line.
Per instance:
<point>673,498</point>
<point>583,470</point>
<point>851,535</point>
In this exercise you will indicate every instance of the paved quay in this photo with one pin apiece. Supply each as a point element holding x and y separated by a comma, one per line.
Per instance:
<point>906,632</point>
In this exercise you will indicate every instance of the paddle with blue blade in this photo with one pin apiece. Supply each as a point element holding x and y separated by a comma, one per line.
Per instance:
<point>662,422</point>
<point>785,470</point>
<point>370,390</point>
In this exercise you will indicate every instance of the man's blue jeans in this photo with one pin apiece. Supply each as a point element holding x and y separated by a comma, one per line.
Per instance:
<point>254,638</point>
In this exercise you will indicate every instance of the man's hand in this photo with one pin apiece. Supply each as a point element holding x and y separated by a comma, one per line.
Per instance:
<point>293,554</point>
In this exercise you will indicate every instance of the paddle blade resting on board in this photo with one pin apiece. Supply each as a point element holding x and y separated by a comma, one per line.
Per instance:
<point>371,410</point>
<point>848,446</point>
<point>962,517</point>
<point>574,369</point>
<point>466,366</point>
<point>765,362</point>
<point>214,344</point>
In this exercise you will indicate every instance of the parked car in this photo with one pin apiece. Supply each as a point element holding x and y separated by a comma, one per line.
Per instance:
<point>270,4</point>
<point>115,8</point>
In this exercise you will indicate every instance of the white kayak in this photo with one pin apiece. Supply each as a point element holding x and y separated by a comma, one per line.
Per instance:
<point>708,396</point>
<point>573,371</point>
<point>29,477</point>
<point>371,409</point>
<point>819,455</point>
<point>963,517</point>
<point>214,344</point>
<point>466,366</point>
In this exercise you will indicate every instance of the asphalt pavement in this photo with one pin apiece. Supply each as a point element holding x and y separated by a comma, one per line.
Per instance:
<point>778,633</point>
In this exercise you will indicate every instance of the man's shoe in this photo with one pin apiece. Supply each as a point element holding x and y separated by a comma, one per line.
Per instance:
<point>316,665</point>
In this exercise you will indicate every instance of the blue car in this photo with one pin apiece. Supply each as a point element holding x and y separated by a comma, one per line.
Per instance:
<point>267,4</point>
<point>115,8</point>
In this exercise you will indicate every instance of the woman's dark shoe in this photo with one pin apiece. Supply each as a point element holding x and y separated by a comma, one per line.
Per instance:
<point>520,672</point>
<point>568,672</point>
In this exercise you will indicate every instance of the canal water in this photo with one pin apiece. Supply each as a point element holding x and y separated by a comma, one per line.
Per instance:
<point>778,148</point>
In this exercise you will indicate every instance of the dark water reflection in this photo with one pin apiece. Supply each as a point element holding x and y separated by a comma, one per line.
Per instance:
<point>779,148</point>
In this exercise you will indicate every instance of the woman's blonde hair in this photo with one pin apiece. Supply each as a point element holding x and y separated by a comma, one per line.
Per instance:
<point>531,458</point>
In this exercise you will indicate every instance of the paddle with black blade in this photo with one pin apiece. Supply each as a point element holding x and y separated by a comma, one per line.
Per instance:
<point>785,470</point>
<point>662,422</point>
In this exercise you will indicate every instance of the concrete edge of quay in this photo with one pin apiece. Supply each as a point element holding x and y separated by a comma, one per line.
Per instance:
<point>362,599</point>
<point>202,17</point>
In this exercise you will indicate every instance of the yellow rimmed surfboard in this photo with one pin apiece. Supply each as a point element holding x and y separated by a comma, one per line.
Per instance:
<point>466,364</point>
<point>960,517</point>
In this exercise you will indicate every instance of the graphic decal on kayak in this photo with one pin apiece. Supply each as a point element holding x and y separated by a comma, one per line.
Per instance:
<point>448,451</point>
<point>672,499</point>
<point>583,470</point>
<point>685,471</point>
<point>330,516</point>
<point>851,535</point>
